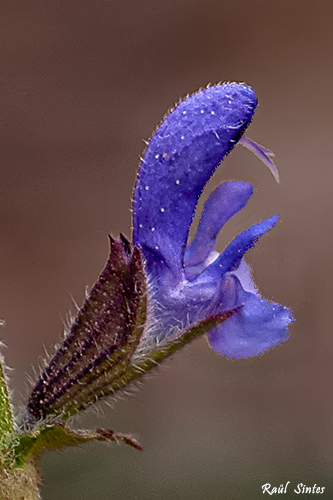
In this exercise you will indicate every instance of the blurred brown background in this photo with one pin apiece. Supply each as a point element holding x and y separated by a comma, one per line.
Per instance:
<point>82,84</point>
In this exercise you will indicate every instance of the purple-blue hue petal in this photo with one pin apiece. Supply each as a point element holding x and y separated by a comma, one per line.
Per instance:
<point>257,327</point>
<point>189,286</point>
<point>230,258</point>
<point>224,202</point>
<point>179,160</point>
<point>244,274</point>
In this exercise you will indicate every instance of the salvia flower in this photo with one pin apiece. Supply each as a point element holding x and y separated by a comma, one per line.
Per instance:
<point>159,292</point>
<point>192,281</point>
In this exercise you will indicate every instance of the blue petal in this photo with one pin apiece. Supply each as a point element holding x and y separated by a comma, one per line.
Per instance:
<point>179,160</point>
<point>257,327</point>
<point>224,202</point>
<point>244,274</point>
<point>230,258</point>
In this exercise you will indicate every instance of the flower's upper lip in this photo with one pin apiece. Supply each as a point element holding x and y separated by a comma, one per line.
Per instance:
<point>179,160</point>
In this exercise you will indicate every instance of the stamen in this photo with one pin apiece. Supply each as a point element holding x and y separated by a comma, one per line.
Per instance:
<point>262,153</point>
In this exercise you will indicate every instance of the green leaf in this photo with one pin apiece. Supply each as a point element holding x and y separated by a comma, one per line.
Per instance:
<point>142,365</point>
<point>57,435</point>
<point>123,374</point>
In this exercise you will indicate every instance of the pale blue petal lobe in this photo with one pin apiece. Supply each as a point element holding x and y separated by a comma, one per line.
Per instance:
<point>257,327</point>
<point>230,258</point>
<point>222,204</point>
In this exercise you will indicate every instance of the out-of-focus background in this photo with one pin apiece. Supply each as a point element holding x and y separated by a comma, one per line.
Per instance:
<point>82,84</point>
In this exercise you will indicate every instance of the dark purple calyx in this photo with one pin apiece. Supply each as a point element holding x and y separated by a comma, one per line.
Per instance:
<point>101,341</point>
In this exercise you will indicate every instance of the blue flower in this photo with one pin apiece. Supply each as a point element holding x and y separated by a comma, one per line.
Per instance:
<point>189,282</point>
<point>157,295</point>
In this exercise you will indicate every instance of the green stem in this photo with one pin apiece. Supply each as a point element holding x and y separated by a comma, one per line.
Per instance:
<point>6,415</point>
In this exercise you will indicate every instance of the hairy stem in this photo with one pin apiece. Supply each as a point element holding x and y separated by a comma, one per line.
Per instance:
<point>22,483</point>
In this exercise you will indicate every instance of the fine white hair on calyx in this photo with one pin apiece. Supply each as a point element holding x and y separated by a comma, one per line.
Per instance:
<point>153,336</point>
<point>156,336</point>
<point>149,339</point>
